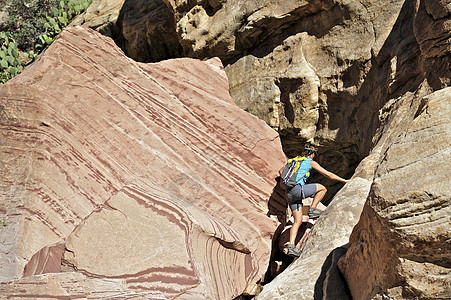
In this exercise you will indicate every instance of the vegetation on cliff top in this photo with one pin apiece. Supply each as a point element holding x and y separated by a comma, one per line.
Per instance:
<point>31,26</point>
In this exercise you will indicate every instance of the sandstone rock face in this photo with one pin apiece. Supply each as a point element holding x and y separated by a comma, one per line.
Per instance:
<point>432,26</point>
<point>101,16</point>
<point>401,245</point>
<point>131,180</point>
<point>288,62</point>
<point>397,250</point>
<point>291,63</point>
<point>310,69</point>
<point>71,286</point>
<point>398,247</point>
<point>367,80</point>
<point>308,78</point>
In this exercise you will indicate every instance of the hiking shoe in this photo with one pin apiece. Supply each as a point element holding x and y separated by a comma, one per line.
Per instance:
<point>294,252</point>
<point>314,213</point>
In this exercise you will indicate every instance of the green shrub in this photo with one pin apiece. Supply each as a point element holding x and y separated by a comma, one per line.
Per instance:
<point>60,17</point>
<point>10,62</point>
<point>33,24</point>
<point>26,20</point>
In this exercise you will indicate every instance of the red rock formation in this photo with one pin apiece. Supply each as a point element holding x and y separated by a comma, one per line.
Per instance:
<point>153,178</point>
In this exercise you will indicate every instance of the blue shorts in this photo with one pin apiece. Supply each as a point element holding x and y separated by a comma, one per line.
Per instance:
<point>299,192</point>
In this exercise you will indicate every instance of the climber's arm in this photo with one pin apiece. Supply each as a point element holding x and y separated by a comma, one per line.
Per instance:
<point>326,173</point>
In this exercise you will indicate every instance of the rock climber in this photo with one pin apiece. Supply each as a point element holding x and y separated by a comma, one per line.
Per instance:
<point>303,190</point>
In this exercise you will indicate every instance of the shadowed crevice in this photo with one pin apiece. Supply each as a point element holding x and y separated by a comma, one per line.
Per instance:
<point>331,283</point>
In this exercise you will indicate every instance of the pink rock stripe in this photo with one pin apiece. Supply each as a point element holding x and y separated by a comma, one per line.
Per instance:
<point>149,173</point>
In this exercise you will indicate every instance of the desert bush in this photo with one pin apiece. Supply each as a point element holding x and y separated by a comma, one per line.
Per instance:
<point>60,17</point>
<point>26,19</point>
<point>9,57</point>
<point>33,25</point>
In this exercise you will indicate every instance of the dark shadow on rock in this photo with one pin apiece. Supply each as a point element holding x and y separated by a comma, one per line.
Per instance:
<point>279,261</point>
<point>356,117</point>
<point>262,37</point>
<point>147,33</point>
<point>277,206</point>
<point>331,284</point>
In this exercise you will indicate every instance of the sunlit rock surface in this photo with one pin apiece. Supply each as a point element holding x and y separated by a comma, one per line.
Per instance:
<point>401,246</point>
<point>355,76</point>
<point>130,178</point>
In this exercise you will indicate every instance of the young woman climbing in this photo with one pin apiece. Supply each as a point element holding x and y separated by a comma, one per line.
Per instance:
<point>302,190</point>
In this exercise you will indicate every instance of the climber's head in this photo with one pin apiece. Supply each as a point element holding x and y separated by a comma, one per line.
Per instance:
<point>309,149</point>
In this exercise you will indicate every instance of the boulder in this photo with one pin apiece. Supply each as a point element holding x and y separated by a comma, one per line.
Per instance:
<point>101,16</point>
<point>401,246</point>
<point>128,179</point>
<point>297,65</point>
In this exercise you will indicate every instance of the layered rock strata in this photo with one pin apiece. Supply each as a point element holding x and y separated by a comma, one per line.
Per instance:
<point>357,76</point>
<point>130,179</point>
<point>308,69</point>
<point>401,246</point>
<point>297,65</point>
